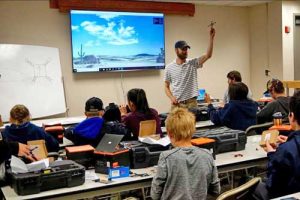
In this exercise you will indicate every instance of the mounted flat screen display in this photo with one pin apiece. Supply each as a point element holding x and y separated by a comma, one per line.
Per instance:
<point>117,41</point>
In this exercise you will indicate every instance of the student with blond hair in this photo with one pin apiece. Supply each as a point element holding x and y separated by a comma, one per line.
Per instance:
<point>185,172</point>
<point>22,130</point>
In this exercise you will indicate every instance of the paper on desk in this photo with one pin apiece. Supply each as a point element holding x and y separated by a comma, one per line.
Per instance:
<point>90,175</point>
<point>162,141</point>
<point>18,166</point>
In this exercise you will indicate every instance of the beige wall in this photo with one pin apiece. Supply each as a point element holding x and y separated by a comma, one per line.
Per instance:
<point>289,8</point>
<point>33,22</point>
<point>266,45</point>
<point>259,49</point>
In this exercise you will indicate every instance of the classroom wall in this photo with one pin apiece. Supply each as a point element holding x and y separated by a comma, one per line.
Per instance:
<point>265,45</point>
<point>289,8</point>
<point>34,23</point>
<point>258,48</point>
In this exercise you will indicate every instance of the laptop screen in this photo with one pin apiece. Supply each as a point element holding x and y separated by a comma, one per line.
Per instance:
<point>201,94</point>
<point>109,143</point>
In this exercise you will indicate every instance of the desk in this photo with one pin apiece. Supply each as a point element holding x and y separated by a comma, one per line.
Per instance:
<point>253,155</point>
<point>66,143</point>
<point>295,195</point>
<point>89,188</point>
<point>200,124</point>
<point>63,120</point>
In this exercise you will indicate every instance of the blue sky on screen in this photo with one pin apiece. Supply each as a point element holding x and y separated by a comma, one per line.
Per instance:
<point>116,33</point>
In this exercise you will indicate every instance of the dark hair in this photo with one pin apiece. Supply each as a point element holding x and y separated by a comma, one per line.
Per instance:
<point>235,75</point>
<point>139,99</point>
<point>294,106</point>
<point>19,114</point>
<point>275,84</point>
<point>93,104</point>
<point>112,113</point>
<point>238,91</point>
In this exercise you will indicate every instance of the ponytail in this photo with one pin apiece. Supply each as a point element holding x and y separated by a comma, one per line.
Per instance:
<point>139,99</point>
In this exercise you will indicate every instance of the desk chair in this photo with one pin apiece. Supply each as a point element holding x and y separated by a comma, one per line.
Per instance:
<point>243,192</point>
<point>147,128</point>
<point>258,128</point>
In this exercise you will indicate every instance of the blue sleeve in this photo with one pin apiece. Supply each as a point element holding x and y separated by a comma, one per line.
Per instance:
<point>219,117</point>
<point>278,170</point>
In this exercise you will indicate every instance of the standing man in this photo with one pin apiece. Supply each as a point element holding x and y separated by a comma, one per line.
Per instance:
<point>181,74</point>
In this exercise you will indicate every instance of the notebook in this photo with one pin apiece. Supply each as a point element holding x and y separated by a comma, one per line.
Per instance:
<point>109,143</point>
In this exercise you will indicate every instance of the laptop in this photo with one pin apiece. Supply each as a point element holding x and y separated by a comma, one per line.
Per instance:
<point>109,142</point>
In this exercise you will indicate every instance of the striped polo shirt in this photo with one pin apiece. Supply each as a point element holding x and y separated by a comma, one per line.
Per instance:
<point>183,78</point>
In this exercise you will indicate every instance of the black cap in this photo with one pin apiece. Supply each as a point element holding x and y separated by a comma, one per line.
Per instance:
<point>94,104</point>
<point>181,44</point>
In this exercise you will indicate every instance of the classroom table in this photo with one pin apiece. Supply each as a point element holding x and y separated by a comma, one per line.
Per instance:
<point>200,124</point>
<point>253,155</point>
<point>65,121</point>
<point>295,196</point>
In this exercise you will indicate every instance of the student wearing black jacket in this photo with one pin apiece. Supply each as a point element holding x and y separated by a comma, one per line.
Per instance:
<point>279,104</point>
<point>14,148</point>
<point>284,159</point>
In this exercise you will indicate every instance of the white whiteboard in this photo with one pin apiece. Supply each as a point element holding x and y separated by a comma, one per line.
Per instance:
<point>31,75</point>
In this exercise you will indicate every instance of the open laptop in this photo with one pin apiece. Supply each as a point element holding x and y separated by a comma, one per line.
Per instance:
<point>109,142</point>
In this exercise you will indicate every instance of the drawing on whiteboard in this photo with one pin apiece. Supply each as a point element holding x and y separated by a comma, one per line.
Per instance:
<point>31,75</point>
<point>39,69</point>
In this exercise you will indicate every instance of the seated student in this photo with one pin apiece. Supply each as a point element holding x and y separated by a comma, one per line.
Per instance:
<point>279,104</point>
<point>112,122</point>
<point>283,169</point>
<point>234,77</point>
<point>239,113</point>
<point>140,111</point>
<point>89,130</point>
<point>14,148</point>
<point>185,172</point>
<point>7,149</point>
<point>21,130</point>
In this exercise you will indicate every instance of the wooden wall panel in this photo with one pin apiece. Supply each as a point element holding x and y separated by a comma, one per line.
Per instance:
<point>124,5</point>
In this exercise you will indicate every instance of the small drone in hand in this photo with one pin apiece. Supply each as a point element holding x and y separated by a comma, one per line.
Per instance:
<point>212,23</point>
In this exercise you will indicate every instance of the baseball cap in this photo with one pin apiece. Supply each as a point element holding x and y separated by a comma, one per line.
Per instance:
<point>181,44</point>
<point>94,104</point>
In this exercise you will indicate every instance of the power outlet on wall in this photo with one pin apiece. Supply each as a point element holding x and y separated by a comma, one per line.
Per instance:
<point>267,72</point>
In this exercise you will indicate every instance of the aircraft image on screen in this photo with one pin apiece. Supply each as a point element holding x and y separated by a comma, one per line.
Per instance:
<point>117,41</point>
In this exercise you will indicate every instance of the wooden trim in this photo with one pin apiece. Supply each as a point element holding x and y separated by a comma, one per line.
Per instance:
<point>125,5</point>
<point>53,3</point>
<point>291,84</point>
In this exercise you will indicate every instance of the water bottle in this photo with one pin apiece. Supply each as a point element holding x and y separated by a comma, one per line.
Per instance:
<point>277,119</point>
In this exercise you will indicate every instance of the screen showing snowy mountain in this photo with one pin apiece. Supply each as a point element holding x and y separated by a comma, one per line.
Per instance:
<point>117,41</point>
